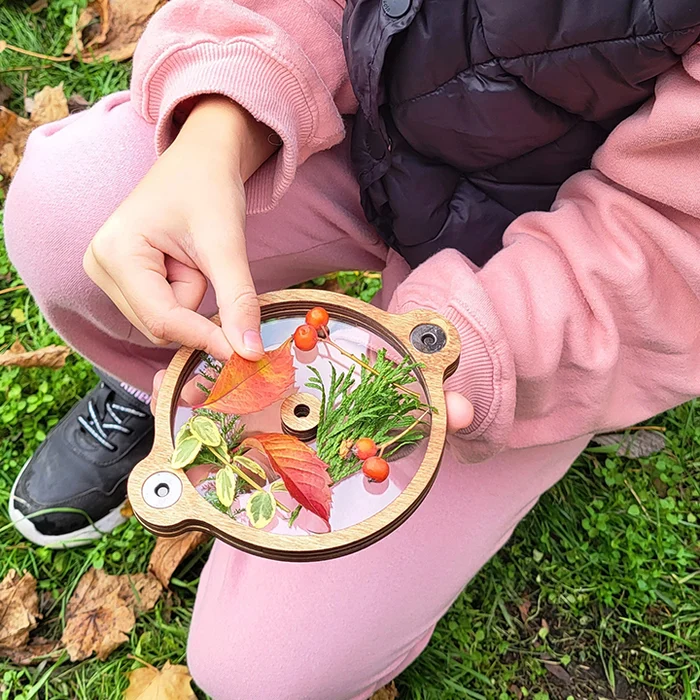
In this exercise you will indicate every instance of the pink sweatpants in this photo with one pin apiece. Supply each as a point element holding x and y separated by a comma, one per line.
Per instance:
<point>265,630</point>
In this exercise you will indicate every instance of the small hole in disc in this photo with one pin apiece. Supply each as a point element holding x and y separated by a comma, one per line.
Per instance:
<point>162,489</point>
<point>301,411</point>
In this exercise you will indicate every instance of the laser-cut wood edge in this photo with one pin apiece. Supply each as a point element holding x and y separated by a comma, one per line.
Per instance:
<point>192,512</point>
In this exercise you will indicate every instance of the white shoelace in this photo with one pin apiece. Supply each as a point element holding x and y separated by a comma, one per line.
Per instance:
<point>97,427</point>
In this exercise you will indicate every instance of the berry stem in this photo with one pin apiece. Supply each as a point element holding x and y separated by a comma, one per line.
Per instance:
<point>364,365</point>
<point>396,438</point>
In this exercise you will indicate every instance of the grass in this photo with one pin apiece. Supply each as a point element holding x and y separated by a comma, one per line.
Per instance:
<point>597,595</point>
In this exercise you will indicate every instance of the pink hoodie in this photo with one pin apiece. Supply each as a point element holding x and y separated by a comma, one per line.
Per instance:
<point>588,320</point>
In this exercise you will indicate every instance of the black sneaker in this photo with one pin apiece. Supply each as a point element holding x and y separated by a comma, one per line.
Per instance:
<point>83,465</point>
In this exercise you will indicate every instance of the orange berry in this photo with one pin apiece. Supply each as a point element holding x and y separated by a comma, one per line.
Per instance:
<point>317,317</point>
<point>305,337</point>
<point>365,448</point>
<point>375,469</point>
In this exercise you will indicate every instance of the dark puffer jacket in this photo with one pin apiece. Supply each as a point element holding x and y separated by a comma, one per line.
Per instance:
<point>475,111</point>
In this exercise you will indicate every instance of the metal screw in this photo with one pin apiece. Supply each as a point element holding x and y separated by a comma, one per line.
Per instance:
<point>428,338</point>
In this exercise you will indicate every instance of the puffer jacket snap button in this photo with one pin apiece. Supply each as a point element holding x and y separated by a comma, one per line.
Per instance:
<point>396,8</point>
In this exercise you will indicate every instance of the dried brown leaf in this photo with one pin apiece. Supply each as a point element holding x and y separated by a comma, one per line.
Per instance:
<point>14,131</point>
<point>634,444</point>
<point>170,683</point>
<point>38,6</point>
<point>169,553</point>
<point>143,589</point>
<point>102,609</point>
<point>29,655</point>
<point>99,630</point>
<point>388,692</point>
<point>48,105</point>
<point>76,43</point>
<point>111,29</point>
<point>524,609</point>
<point>77,103</point>
<point>558,671</point>
<point>19,609</point>
<point>53,356</point>
<point>5,94</point>
<point>126,510</point>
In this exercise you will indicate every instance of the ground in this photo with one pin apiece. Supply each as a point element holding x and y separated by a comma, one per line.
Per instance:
<point>597,595</point>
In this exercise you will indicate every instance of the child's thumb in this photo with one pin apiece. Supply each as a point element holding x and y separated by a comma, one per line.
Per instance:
<point>460,412</point>
<point>239,308</point>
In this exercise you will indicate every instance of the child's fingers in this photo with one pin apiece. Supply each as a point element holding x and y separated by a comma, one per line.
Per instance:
<point>189,284</point>
<point>157,381</point>
<point>136,282</point>
<point>154,304</point>
<point>190,395</point>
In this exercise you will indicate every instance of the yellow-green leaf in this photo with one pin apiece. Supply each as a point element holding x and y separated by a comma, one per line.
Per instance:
<point>183,433</point>
<point>226,486</point>
<point>277,486</point>
<point>251,465</point>
<point>260,509</point>
<point>186,452</point>
<point>205,429</point>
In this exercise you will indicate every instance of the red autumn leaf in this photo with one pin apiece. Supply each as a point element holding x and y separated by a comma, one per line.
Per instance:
<point>304,474</point>
<point>245,387</point>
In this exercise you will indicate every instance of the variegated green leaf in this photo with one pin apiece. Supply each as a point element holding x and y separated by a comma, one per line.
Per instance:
<point>277,486</point>
<point>261,509</point>
<point>226,486</point>
<point>250,465</point>
<point>205,429</point>
<point>183,433</point>
<point>186,452</point>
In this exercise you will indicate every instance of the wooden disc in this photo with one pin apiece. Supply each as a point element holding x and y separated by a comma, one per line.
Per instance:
<point>300,414</point>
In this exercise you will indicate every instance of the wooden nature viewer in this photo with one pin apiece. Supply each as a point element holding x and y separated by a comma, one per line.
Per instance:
<point>166,503</point>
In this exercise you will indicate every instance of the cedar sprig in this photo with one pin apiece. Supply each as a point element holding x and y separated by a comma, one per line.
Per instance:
<point>372,407</point>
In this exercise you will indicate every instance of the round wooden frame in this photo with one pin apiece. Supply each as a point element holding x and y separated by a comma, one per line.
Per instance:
<point>192,512</point>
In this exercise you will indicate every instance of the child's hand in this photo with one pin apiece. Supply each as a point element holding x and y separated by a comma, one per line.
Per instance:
<point>183,224</point>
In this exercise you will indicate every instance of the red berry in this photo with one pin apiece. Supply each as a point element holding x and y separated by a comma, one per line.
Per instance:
<point>317,317</point>
<point>305,337</point>
<point>375,469</point>
<point>365,448</point>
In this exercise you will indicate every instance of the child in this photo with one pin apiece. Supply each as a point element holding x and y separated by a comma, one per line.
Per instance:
<point>472,118</point>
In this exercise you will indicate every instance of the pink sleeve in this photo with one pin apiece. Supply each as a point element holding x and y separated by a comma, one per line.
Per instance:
<point>589,319</point>
<point>282,61</point>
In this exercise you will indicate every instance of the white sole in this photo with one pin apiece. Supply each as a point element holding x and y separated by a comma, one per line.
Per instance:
<point>79,538</point>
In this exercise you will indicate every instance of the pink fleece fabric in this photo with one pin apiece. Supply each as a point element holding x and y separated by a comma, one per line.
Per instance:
<point>587,320</point>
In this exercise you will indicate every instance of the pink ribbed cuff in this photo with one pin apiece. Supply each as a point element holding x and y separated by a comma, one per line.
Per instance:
<point>447,284</point>
<point>482,378</point>
<point>251,77</point>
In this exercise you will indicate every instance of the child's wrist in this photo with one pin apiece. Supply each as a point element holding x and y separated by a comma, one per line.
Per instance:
<point>217,125</point>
